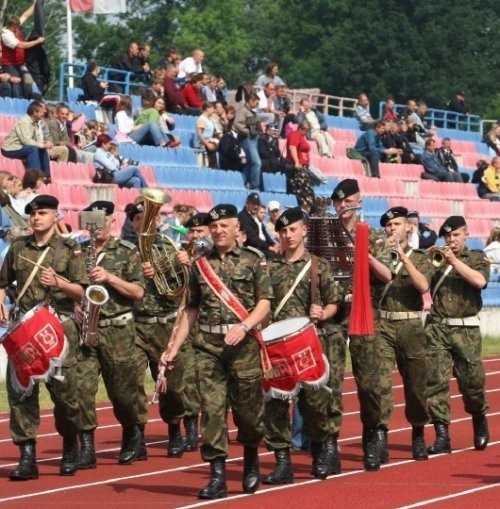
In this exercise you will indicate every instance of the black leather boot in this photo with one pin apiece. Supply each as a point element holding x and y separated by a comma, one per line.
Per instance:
<point>216,487</point>
<point>319,452</point>
<point>143,452</point>
<point>26,469</point>
<point>131,443</point>
<point>333,455</point>
<point>191,439</point>
<point>371,449</point>
<point>418,448</point>
<point>86,457</point>
<point>481,433</point>
<point>442,443</point>
<point>382,438</point>
<point>175,448</point>
<point>69,460</point>
<point>282,473</point>
<point>251,476</point>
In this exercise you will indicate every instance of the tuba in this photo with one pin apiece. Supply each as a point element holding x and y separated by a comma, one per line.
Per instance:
<point>170,277</point>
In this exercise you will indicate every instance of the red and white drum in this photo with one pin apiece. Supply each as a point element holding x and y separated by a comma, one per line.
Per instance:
<point>36,347</point>
<point>296,356</point>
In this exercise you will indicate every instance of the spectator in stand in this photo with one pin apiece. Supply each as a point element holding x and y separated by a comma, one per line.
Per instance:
<point>390,140</point>
<point>171,56</point>
<point>492,138</point>
<point>270,75</point>
<point>319,129</point>
<point>389,113</point>
<point>446,156</point>
<point>174,99</point>
<point>154,111</point>
<point>274,211</point>
<point>458,103</point>
<point>86,137</point>
<point>266,109</point>
<point>59,132</point>
<point>6,83</point>
<point>13,56</point>
<point>93,88</point>
<point>32,181</point>
<point>417,130</point>
<point>106,160</point>
<point>370,146</point>
<point>191,65</point>
<point>399,133</point>
<point>272,160</point>
<point>221,90</point>
<point>362,113</point>
<point>433,167</point>
<point>192,92</point>
<point>219,119</point>
<point>129,61</point>
<point>231,155</point>
<point>421,235</point>
<point>25,140</point>
<point>246,124</point>
<point>284,104</point>
<point>492,251</point>
<point>209,91</point>
<point>207,143</point>
<point>477,178</point>
<point>491,179</point>
<point>143,55</point>
<point>156,89</point>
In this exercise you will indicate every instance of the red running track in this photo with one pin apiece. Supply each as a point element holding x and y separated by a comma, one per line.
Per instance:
<point>464,479</point>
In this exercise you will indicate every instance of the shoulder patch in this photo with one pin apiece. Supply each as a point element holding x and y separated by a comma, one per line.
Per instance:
<point>254,250</point>
<point>127,244</point>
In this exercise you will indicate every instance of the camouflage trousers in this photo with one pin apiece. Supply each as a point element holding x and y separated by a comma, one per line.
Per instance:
<point>231,372</point>
<point>457,351</point>
<point>404,342</point>
<point>299,184</point>
<point>191,394</point>
<point>25,413</point>
<point>114,357</point>
<point>150,342</point>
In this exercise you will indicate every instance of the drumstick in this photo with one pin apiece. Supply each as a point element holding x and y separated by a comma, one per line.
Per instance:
<point>42,267</point>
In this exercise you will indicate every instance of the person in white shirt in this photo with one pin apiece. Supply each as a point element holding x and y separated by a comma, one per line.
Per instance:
<point>191,65</point>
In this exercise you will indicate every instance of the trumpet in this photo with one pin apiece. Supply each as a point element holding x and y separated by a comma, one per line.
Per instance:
<point>436,255</point>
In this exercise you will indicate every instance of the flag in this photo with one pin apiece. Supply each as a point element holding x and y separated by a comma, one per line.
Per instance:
<point>98,6</point>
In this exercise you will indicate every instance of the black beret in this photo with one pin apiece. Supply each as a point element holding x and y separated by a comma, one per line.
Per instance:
<point>132,209</point>
<point>345,188</point>
<point>413,214</point>
<point>392,213</point>
<point>222,211</point>
<point>451,224</point>
<point>107,206</point>
<point>289,217</point>
<point>42,201</point>
<point>200,219</point>
<point>254,197</point>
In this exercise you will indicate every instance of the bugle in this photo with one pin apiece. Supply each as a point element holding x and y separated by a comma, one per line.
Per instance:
<point>436,255</point>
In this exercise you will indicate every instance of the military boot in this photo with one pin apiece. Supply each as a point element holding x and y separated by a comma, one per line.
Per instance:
<point>319,452</point>
<point>216,487</point>
<point>69,460</point>
<point>175,447</point>
<point>143,452</point>
<point>333,455</point>
<point>86,457</point>
<point>481,433</point>
<point>191,439</point>
<point>131,443</point>
<point>282,473</point>
<point>442,443</point>
<point>26,469</point>
<point>251,476</point>
<point>371,449</point>
<point>382,438</point>
<point>418,448</point>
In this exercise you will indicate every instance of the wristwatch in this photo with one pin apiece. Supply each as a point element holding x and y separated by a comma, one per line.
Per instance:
<point>245,327</point>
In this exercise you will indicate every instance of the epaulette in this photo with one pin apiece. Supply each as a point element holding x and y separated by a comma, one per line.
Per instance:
<point>420,251</point>
<point>127,244</point>
<point>254,250</point>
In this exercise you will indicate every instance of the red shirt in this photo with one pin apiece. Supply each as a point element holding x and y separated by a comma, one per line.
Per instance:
<point>192,96</point>
<point>297,139</point>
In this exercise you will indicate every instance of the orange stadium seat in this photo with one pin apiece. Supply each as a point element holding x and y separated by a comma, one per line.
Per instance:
<point>479,227</point>
<point>13,166</point>
<point>124,196</point>
<point>451,190</point>
<point>401,171</point>
<point>343,135</point>
<point>482,209</point>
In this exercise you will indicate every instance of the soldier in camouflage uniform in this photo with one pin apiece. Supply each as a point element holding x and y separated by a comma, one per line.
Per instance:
<point>401,330</point>
<point>118,269</point>
<point>313,404</point>
<point>454,336</point>
<point>64,258</point>
<point>227,356</point>
<point>364,350</point>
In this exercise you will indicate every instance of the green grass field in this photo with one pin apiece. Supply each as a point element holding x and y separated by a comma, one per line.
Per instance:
<point>491,346</point>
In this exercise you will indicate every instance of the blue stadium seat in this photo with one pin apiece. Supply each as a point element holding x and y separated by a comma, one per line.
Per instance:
<point>341,122</point>
<point>274,182</point>
<point>475,243</point>
<point>73,94</point>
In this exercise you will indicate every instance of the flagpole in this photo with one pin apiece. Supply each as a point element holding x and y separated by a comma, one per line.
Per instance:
<point>69,31</point>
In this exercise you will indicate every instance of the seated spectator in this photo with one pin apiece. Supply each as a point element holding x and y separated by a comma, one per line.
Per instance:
<point>171,56</point>
<point>32,181</point>
<point>110,169</point>
<point>209,90</point>
<point>221,90</point>
<point>389,113</point>
<point>156,89</point>
<point>25,140</point>
<point>274,211</point>
<point>192,92</point>
<point>59,132</point>
<point>270,75</point>
<point>421,235</point>
<point>6,83</point>
<point>433,167</point>
<point>491,179</point>
<point>231,155</point>
<point>86,137</point>
<point>174,99</point>
<point>207,143</point>
<point>390,139</point>
<point>93,88</point>
<point>492,251</point>
<point>399,133</point>
<point>492,138</point>
<point>174,226</point>
<point>272,160</point>
<point>154,111</point>
<point>127,130</point>
<point>362,113</point>
<point>458,103</point>
<point>129,61</point>
<point>283,103</point>
<point>477,178</point>
<point>267,112</point>
<point>370,146</point>
<point>191,65</point>
<point>446,156</point>
<point>319,130</point>
<point>219,118</point>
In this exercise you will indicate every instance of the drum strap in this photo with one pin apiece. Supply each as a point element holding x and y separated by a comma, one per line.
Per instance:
<point>230,300</point>
<point>396,272</point>
<point>298,279</point>
<point>441,280</point>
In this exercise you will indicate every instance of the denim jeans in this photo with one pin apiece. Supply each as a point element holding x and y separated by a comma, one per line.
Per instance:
<point>36,158</point>
<point>149,132</point>
<point>252,169</point>
<point>129,177</point>
<point>299,440</point>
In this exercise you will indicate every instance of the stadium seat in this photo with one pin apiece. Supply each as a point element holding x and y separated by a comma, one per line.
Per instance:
<point>73,94</point>
<point>124,196</point>
<point>400,171</point>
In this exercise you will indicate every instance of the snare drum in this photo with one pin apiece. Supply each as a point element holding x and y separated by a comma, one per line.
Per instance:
<point>296,356</point>
<point>36,347</point>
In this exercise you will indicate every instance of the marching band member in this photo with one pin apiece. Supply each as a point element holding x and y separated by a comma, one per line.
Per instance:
<point>118,269</point>
<point>402,334</point>
<point>63,257</point>
<point>454,336</point>
<point>291,271</point>
<point>227,355</point>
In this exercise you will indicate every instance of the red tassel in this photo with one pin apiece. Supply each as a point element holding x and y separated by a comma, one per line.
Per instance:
<point>361,319</point>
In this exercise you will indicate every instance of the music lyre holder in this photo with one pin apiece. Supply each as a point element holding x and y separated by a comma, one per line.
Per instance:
<point>91,220</point>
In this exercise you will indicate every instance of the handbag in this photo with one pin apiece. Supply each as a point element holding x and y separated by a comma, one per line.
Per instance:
<point>103,176</point>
